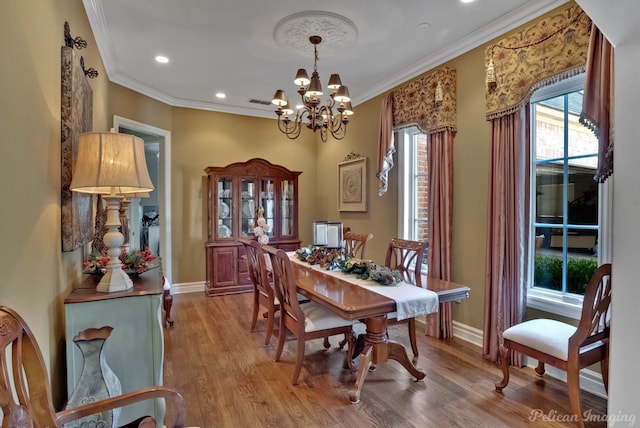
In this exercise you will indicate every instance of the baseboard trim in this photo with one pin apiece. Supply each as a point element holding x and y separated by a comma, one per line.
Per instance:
<point>590,380</point>
<point>188,287</point>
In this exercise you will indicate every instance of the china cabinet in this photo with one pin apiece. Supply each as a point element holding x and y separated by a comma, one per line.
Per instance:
<point>235,193</point>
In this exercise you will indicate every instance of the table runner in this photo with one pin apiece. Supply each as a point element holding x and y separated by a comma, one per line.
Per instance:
<point>411,301</point>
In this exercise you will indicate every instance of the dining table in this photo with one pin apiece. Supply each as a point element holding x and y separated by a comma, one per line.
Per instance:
<point>356,299</point>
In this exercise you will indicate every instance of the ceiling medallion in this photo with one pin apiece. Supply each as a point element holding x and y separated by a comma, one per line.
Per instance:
<point>337,32</point>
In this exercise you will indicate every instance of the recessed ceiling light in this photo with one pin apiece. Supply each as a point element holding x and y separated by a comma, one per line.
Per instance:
<point>221,95</point>
<point>162,59</point>
<point>467,1</point>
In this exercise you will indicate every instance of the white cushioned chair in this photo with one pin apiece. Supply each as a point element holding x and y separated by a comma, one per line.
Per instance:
<point>564,346</point>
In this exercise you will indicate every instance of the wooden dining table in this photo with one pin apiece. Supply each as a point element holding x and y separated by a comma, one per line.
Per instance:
<point>353,302</point>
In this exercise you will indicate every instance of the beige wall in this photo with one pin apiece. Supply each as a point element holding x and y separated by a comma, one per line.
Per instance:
<point>35,275</point>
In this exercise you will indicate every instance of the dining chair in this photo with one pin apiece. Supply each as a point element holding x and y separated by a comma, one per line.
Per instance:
<point>25,392</point>
<point>355,244</point>
<point>565,346</point>
<point>406,257</point>
<point>307,320</point>
<point>263,292</point>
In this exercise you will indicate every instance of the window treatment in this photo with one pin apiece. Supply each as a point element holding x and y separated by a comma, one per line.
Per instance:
<point>386,147</point>
<point>597,103</point>
<point>507,226</point>
<point>440,149</point>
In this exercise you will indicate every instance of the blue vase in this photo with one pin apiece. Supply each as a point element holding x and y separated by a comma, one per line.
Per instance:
<point>97,380</point>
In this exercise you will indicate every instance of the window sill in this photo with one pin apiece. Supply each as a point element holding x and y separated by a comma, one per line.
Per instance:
<point>554,303</point>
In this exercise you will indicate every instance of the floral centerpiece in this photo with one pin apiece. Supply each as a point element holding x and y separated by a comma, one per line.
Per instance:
<point>132,263</point>
<point>366,269</point>
<point>333,258</point>
<point>261,231</point>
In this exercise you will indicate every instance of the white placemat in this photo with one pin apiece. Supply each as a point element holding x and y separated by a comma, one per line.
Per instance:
<point>411,301</point>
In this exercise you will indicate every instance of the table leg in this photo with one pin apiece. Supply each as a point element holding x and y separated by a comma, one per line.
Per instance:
<point>167,302</point>
<point>378,349</point>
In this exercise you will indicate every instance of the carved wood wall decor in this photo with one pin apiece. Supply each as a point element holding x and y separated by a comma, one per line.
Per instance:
<point>76,118</point>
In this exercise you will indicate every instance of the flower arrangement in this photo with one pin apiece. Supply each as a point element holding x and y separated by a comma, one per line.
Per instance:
<point>134,263</point>
<point>261,231</point>
<point>363,269</point>
<point>366,269</point>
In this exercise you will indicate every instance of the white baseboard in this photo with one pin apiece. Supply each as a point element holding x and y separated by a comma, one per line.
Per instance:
<point>590,381</point>
<point>189,287</point>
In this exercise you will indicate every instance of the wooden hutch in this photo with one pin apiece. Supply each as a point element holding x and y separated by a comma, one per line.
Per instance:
<point>234,195</point>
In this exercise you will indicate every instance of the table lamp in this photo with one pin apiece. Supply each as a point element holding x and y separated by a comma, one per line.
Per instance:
<point>111,164</point>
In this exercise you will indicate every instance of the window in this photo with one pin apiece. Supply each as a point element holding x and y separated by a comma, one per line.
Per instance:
<point>566,201</point>
<point>413,184</point>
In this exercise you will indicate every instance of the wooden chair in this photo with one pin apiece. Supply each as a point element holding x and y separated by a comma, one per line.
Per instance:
<point>406,257</point>
<point>263,292</point>
<point>307,320</point>
<point>25,378</point>
<point>355,244</point>
<point>564,346</point>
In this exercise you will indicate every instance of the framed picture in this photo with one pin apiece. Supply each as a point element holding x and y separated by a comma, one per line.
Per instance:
<point>352,185</point>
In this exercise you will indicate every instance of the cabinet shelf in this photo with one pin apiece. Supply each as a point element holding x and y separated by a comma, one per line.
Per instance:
<point>245,187</point>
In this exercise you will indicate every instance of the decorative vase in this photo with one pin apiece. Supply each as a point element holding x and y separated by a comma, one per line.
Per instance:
<point>97,380</point>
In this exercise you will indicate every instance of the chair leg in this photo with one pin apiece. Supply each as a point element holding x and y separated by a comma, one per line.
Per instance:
<point>604,369</point>
<point>505,359</point>
<point>412,336</point>
<point>344,341</point>
<point>326,343</point>
<point>299,360</point>
<point>270,318</point>
<point>540,368</point>
<point>573,387</point>
<point>256,307</point>
<point>282,333</point>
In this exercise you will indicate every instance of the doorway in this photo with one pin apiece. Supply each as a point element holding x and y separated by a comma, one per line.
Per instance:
<point>150,218</point>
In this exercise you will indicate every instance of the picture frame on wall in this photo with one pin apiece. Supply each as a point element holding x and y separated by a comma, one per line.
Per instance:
<point>352,185</point>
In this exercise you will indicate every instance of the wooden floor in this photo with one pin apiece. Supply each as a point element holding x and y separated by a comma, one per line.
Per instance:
<point>229,379</point>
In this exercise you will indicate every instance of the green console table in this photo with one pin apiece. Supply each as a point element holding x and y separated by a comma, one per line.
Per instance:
<point>135,348</point>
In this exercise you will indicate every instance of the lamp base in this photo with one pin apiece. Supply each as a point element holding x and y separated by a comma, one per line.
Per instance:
<point>114,280</point>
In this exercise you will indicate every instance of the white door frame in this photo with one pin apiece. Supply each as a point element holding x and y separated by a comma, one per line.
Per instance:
<point>164,184</point>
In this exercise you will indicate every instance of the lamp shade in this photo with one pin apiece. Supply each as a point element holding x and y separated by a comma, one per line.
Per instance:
<point>110,162</point>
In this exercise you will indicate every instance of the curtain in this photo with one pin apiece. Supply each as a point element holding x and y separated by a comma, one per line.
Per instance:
<point>597,103</point>
<point>440,149</point>
<point>386,147</point>
<point>507,226</point>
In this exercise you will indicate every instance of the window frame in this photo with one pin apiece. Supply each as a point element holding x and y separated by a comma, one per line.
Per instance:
<point>557,302</point>
<point>407,150</point>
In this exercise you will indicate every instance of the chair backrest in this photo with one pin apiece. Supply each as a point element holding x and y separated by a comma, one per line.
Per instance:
<point>284,283</point>
<point>258,272</point>
<point>406,257</point>
<point>595,319</point>
<point>355,244</point>
<point>26,374</point>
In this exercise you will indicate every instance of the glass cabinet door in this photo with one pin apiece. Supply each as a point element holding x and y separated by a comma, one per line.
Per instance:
<point>267,198</point>
<point>288,213</point>
<point>225,207</point>
<point>247,206</point>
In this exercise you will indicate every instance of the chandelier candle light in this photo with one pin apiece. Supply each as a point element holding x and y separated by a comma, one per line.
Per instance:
<point>113,165</point>
<point>319,117</point>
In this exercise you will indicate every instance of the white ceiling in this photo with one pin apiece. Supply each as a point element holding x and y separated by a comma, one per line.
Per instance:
<point>230,46</point>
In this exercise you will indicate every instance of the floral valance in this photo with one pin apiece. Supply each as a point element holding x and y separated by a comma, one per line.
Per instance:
<point>428,102</point>
<point>552,49</point>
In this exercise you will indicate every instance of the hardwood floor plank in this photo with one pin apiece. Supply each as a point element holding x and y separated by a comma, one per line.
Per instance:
<point>230,379</point>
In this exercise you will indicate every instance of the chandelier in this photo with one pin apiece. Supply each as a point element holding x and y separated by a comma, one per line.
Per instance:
<point>313,113</point>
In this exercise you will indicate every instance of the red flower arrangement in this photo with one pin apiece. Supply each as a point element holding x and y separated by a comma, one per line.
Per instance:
<point>134,263</point>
